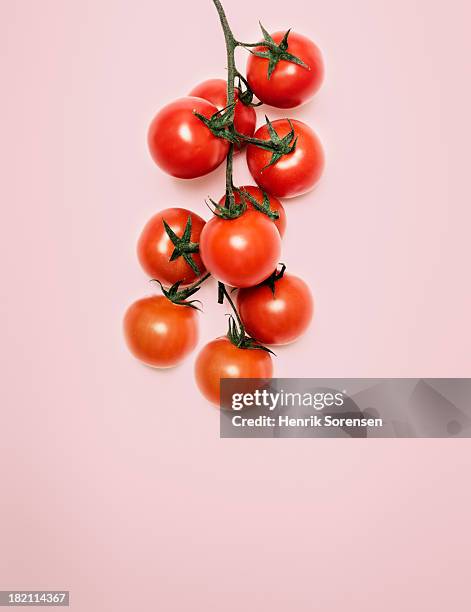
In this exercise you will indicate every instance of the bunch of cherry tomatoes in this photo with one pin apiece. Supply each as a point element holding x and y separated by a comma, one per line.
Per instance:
<point>240,246</point>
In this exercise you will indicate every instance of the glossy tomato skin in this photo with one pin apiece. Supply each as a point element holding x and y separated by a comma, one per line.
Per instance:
<point>277,319</point>
<point>221,359</point>
<point>240,252</point>
<point>215,90</point>
<point>154,247</point>
<point>159,333</point>
<point>180,143</point>
<point>290,85</point>
<point>275,205</point>
<point>295,173</point>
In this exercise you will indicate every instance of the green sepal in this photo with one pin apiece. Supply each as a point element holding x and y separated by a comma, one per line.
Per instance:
<point>275,53</point>
<point>183,246</point>
<point>221,124</point>
<point>180,296</point>
<point>263,207</point>
<point>279,146</point>
<point>232,211</point>
<point>241,340</point>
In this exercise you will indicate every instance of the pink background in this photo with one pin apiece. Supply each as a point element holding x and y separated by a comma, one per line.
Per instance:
<point>114,483</point>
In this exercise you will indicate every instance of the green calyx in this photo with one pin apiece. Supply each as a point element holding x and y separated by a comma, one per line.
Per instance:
<point>236,332</point>
<point>183,246</point>
<point>275,53</point>
<point>263,206</point>
<point>230,209</point>
<point>279,146</point>
<point>241,340</point>
<point>180,296</point>
<point>273,278</point>
<point>276,145</point>
<point>221,124</point>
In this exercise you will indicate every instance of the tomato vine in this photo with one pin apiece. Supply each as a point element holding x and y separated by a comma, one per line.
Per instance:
<point>222,125</point>
<point>241,244</point>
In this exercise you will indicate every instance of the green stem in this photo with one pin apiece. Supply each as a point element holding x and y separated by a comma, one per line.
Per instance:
<point>243,341</point>
<point>224,291</point>
<point>257,44</point>
<point>230,201</point>
<point>198,282</point>
<point>231,44</point>
<point>258,142</point>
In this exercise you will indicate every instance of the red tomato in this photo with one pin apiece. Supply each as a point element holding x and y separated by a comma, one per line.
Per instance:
<point>181,144</point>
<point>155,248</point>
<point>295,173</point>
<point>290,84</point>
<point>222,359</point>
<point>240,252</point>
<point>160,333</point>
<point>279,318</point>
<point>215,90</point>
<point>275,205</point>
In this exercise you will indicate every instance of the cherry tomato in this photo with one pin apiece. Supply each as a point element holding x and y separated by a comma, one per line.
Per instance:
<point>155,248</point>
<point>290,85</point>
<point>222,359</point>
<point>277,318</point>
<point>240,252</point>
<point>295,173</point>
<point>215,90</point>
<point>181,144</point>
<point>275,205</point>
<point>159,333</point>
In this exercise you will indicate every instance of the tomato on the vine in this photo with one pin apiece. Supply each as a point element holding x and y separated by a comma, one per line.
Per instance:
<point>160,333</point>
<point>296,172</point>
<point>181,144</point>
<point>215,90</point>
<point>155,247</point>
<point>275,205</point>
<point>290,84</point>
<point>222,359</point>
<point>240,252</point>
<point>277,316</point>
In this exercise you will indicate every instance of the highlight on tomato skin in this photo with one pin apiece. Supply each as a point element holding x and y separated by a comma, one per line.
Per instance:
<point>181,144</point>
<point>215,91</point>
<point>155,248</point>
<point>222,359</point>
<point>160,333</point>
<point>296,173</point>
<point>275,205</point>
<point>280,316</point>
<point>290,85</point>
<point>240,252</point>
